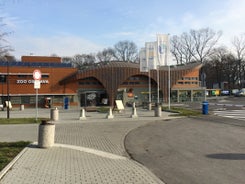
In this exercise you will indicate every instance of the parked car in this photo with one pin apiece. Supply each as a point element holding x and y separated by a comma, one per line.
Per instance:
<point>240,93</point>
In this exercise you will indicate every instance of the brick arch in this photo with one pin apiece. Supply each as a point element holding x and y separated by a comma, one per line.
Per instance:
<point>112,74</point>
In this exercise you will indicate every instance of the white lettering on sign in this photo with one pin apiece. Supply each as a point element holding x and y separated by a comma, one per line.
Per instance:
<point>31,81</point>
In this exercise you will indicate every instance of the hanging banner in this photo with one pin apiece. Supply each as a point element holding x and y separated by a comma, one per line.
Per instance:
<point>162,49</point>
<point>143,61</point>
<point>151,57</point>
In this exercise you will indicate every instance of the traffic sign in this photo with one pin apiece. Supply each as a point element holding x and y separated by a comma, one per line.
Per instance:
<point>37,75</point>
<point>37,84</point>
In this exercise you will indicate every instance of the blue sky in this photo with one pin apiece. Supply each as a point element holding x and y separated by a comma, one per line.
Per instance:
<point>69,27</point>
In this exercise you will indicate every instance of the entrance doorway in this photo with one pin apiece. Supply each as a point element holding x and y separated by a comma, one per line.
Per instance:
<point>93,98</point>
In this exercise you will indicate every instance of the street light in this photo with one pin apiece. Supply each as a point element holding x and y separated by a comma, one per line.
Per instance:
<point>8,99</point>
<point>2,80</point>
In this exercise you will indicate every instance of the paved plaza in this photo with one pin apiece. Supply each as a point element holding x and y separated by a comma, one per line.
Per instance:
<point>85,151</point>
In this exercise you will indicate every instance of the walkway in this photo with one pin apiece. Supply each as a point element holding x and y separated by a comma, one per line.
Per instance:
<point>86,151</point>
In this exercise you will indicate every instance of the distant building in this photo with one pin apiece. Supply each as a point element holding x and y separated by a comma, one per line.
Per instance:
<point>103,84</point>
<point>63,85</point>
<point>21,82</point>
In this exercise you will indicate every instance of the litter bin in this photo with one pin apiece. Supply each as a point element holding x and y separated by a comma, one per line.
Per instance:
<point>46,134</point>
<point>158,110</point>
<point>205,107</point>
<point>54,114</point>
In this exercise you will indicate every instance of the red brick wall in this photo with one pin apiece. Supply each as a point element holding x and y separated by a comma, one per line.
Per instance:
<point>45,59</point>
<point>53,87</point>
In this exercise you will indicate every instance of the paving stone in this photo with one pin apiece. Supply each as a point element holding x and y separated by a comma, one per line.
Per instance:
<point>69,162</point>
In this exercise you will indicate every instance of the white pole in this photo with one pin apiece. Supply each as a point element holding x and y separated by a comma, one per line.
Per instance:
<point>149,80</point>
<point>36,104</point>
<point>157,84</point>
<point>169,91</point>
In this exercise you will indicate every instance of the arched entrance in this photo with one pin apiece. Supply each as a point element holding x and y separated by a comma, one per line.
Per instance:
<point>92,93</point>
<point>136,89</point>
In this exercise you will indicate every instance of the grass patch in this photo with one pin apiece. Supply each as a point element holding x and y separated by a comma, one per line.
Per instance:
<point>19,121</point>
<point>182,111</point>
<point>9,150</point>
<point>103,109</point>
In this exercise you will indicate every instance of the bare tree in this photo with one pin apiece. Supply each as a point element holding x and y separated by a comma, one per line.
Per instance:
<point>176,49</point>
<point>83,61</point>
<point>222,67</point>
<point>106,55</point>
<point>204,41</point>
<point>126,51</point>
<point>197,45</point>
<point>239,45</point>
<point>4,45</point>
<point>66,59</point>
<point>182,48</point>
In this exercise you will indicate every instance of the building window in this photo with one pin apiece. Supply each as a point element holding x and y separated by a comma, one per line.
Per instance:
<point>22,76</point>
<point>3,78</point>
<point>45,76</point>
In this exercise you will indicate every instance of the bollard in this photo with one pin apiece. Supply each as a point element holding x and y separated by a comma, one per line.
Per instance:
<point>149,106</point>
<point>158,110</point>
<point>22,107</point>
<point>134,113</point>
<point>134,105</point>
<point>110,115</point>
<point>82,114</point>
<point>46,132</point>
<point>54,114</point>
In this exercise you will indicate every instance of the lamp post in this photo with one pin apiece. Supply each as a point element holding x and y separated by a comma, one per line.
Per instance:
<point>2,80</point>
<point>8,99</point>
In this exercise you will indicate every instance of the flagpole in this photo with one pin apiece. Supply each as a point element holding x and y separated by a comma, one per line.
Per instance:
<point>158,108</point>
<point>149,82</point>
<point>169,91</point>
<point>158,61</point>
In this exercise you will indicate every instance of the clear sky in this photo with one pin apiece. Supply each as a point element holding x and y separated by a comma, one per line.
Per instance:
<point>69,27</point>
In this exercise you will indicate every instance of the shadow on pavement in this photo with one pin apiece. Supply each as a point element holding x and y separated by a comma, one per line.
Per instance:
<point>227,156</point>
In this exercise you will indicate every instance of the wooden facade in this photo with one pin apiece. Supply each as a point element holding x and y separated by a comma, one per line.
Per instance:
<point>113,74</point>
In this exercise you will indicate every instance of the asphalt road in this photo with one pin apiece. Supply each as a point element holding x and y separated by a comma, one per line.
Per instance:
<point>206,150</point>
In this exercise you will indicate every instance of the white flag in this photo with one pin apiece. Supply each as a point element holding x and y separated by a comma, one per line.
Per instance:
<point>143,61</point>
<point>151,54</point>
<point>162,48</point>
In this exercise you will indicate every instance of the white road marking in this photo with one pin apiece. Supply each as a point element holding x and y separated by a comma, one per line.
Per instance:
<point>92,151</point>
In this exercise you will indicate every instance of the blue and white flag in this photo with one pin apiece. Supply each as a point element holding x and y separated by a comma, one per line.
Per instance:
<point>151,54</point>
<point>163,47</point>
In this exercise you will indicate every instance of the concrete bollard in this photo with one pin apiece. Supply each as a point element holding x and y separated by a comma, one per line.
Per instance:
<point>22,107</point>
<point>134,113</point>
<point>149,106</point>
<point>133,105</point>
<point>54,114</point>
<point>110,115</point>
<point>82,114</point>
<point>46,132</point>
<point>158,110</point>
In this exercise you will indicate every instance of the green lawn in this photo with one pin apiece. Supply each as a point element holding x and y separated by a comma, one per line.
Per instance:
<point>182,111</point>
<point>8,151</point>
<point>19,120</point>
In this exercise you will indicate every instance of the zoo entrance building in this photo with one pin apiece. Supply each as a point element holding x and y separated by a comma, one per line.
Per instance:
<point>63,85</point>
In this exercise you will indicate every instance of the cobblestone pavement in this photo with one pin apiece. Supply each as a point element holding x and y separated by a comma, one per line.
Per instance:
<point>87,151</point>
